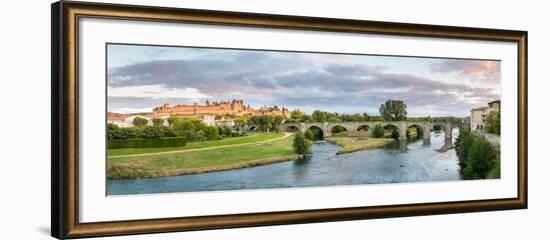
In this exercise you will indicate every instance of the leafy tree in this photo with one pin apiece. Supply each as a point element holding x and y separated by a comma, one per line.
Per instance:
<point>171,120</point>
<point>319,116</point>
<point>493,122</point>
<point>211,133</point>
<point>463,143</point>
<point>139,122</point>
<point>481,159</point>
<point>306,118</point>
<point>220,130</point>
<point>300,144</point>
<point>393,110</point>
<point>182,125</point>
<point>190,135</point>
<point>378,131</point>
<point>296,114</point>
<point>267,123</point>
<point>376,118</point>
<point>112,131</point>
<point>495,172</point>
<point>334,118</point>
<point>309,135</point>
<point>357,117</point>
<point>224,130</point>
<point>158,121</point>
<point>239,123</point>
<point>227,130</point>
<point>276,123</point>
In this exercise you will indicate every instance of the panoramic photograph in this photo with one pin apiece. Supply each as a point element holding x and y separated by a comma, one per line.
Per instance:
<point>191,119</point>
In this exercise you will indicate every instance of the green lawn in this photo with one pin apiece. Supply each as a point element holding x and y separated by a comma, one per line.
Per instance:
<point>350,144</point>
<point>195,145</point>
<point>207,160</point>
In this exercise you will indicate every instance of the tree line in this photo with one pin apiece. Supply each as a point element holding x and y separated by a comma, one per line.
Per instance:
<point>189,128</point>
<point>391,110</point>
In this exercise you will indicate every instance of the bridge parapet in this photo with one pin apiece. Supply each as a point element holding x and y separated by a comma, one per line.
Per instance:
<point>353,128</point>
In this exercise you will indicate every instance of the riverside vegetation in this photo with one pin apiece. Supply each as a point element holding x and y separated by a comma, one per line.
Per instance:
<point>477,158</point>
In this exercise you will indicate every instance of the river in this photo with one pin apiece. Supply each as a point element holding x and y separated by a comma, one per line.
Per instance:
<point>418,163</point>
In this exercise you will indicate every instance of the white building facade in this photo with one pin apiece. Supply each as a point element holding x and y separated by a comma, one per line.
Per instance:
<point>478,115</point>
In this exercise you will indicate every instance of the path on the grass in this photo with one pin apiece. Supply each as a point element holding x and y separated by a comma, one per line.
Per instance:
<point>202,149</point>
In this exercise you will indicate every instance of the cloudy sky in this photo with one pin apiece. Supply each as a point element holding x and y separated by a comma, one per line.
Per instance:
<point>142,77</point>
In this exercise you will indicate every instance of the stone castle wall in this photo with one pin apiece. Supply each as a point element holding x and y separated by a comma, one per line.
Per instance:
<point>233,108</point>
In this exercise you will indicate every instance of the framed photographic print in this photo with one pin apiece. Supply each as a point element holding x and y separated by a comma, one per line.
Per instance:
<point>168,119</point>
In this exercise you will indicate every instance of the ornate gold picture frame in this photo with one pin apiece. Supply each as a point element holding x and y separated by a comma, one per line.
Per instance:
<point>66,90</point>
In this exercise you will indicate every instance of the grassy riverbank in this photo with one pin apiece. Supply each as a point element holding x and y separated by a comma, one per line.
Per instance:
<point>197,145</point>
<point>200,161</point>
<point>350,144</point>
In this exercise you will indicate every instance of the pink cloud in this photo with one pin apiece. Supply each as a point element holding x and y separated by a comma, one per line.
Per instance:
<point>482,70</point>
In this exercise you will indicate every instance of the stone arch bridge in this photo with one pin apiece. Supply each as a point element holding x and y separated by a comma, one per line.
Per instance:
<point>353,128</point>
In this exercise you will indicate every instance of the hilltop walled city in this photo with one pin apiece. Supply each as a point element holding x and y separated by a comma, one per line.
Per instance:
<point>212,114</point>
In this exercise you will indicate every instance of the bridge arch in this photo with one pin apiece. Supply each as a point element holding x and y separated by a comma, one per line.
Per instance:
<point>339,129</point>
<point>318,132</point>
<point>361,130</point>
<point>362,127</point>
<point>394,127</point>
<point>442,126</point>
<point>420,130</point>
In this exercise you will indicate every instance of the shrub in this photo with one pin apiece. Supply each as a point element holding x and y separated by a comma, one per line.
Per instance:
<point>300,144</point>
<point>495,172</point>
<point>394,133</point>
<point>481,159</point>
<point>150,132</point>
<point>158,122</point>
<point>124,172</point>
<point>224,131</point>
<point>113,131</point>
<point>169,132</point>
<point>146,142</point>
<point>309,135</point>
<point>211,133</point>
<point>419,132</point>
<point>190,135</point>
<point>378,131</point>
<point>235,134</point>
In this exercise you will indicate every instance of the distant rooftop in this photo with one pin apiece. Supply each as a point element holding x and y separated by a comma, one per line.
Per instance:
<point>479,109</point>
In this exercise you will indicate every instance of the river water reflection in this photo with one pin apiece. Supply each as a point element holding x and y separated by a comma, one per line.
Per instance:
<point>419,163</point>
